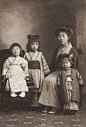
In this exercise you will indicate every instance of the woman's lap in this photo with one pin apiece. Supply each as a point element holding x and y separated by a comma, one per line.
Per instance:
<point>49,93</point>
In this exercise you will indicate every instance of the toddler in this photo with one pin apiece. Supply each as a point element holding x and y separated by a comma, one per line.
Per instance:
<point>15,70</point>
<point>69,82</point>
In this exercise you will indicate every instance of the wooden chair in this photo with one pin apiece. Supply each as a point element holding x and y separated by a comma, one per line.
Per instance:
<point>4,55</point>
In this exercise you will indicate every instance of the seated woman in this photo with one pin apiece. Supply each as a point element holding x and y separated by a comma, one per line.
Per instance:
<point>49,95</point>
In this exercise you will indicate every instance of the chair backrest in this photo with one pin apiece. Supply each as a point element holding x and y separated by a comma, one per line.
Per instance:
<point>4,54</point>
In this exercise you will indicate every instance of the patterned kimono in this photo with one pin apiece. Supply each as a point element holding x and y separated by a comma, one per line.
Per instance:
<point>38,68</point>
<point>68,83</point>
<point>15,69</point>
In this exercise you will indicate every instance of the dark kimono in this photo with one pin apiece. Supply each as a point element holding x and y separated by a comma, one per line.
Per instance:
<point>68,83</point>
<point>50,94</point>
<point>54,66</point>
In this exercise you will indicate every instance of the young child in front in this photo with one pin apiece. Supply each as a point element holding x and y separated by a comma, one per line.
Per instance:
<point>69,82</point>
<point>38,67</point>
<point>15,70</point>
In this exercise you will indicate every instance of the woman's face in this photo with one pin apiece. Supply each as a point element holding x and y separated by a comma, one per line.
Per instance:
<point>16,51</point>
<point>63,38</point>
<point>34,46</point>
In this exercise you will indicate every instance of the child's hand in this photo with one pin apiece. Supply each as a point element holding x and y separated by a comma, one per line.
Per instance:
<point>23,65</point>
<point>39,90</point>
<point>47,74</point>
<point>31,78</point>
<point>27,78</point>
<point>81,86</point>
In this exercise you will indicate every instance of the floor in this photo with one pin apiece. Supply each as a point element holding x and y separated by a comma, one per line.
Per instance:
<point>19,117</point>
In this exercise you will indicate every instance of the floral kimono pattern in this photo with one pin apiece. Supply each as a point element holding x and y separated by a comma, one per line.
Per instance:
<point>16,70</point>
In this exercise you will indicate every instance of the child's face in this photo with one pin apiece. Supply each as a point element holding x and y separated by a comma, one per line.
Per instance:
<point>16,51</point>
<point>63,38</point>
<point>66,64</point>
<point>34,46</point>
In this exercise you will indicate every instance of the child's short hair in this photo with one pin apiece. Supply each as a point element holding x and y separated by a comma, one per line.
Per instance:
<point>14,45</point>
<point>66,56</point>
<point>32,38</point>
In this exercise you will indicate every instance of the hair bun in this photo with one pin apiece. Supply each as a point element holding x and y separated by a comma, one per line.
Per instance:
<point>67,30</point>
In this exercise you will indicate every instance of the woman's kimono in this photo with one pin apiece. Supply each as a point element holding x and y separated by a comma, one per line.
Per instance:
<point>68,84</point>
<point>49,94</point>
<point>15,69</point>
<point>38,68</point>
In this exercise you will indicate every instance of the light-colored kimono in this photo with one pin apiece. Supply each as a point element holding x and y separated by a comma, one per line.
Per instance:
<point>15,69</point>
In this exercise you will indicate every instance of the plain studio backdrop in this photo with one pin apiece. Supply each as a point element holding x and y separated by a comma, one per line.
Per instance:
<point>18,18</point>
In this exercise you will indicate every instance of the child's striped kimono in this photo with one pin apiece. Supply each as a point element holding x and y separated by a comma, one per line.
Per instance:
<point>38,68</point>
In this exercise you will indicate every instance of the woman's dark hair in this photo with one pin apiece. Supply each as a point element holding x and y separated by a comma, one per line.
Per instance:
<point>67,30</point>
<point>28,45</point>
<point>14,45</point>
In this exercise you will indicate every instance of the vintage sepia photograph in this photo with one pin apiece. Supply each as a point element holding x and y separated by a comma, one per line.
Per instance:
<point>42,63</point>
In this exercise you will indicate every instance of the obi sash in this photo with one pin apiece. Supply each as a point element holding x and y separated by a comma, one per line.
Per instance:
<point>34,65</point>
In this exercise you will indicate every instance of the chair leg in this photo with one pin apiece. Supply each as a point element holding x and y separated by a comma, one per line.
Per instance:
<point>9,98</point>
<point>2,100</point>
<point>81,97</point>
<point>27,98</point>
<point>22,102</point>
<point>30,98</point>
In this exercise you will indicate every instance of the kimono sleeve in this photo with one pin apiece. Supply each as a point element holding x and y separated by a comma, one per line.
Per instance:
<point>25,56</point>
<point>77,62</point>
<point>80,80</point>
<point>54,62</point>
<point>25,67</point>
<point>45,65</point>
<point>6,66</point>
<point>58,81</point>
<point>76,58</point>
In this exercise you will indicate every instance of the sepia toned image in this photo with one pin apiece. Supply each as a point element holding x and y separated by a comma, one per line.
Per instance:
<point>42,63</point>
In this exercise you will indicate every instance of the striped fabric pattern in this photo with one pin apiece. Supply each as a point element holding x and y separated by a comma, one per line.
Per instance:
<point>45,65</point>
<point>37,74</point>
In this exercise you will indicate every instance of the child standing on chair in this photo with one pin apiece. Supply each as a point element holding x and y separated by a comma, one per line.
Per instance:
<point>69,82</point>
<point>15,70</point>
<point>38,67</point>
